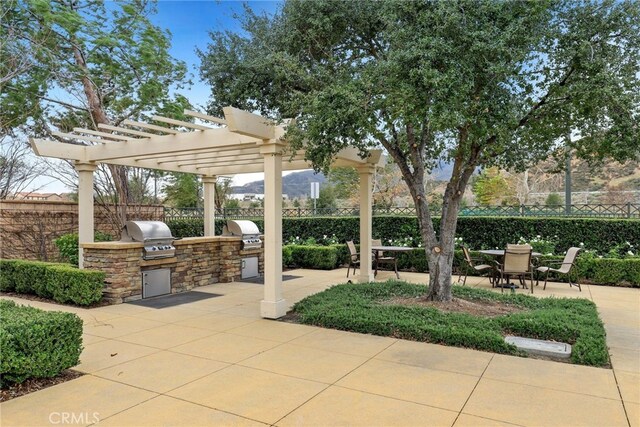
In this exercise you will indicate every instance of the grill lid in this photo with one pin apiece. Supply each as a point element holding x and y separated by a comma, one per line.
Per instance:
<point>141,231</point>
<point>242,227</point>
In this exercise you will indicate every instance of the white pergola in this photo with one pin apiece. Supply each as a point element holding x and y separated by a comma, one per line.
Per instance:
<point>242,142</point>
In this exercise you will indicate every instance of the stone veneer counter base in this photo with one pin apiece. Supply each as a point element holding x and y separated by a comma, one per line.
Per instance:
<point>198,261</point>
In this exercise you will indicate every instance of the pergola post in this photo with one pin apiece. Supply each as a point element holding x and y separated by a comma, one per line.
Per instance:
<point>85,206</point>
<point>366,201</point>
<point>209,190</point>
<point>273,306</point>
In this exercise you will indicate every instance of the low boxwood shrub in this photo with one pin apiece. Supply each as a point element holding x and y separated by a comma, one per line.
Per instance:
<point>61,282</point>
<point>317,257</point>
<point>36,343</point>
<point>67,245</point>
<point>69,284</point>
<point>371,309</point>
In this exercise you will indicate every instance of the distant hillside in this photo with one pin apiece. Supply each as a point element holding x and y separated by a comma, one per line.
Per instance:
<point>296,184</point>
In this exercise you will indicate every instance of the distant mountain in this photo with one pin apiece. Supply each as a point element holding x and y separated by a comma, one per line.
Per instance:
<point>294,185</point>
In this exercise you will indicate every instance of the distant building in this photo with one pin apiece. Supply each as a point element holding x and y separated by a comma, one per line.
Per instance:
<point>47,197</point>
<point>249,197</point>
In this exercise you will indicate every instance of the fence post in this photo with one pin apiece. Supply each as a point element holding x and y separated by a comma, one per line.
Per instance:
<point>628,209</point>
<point>299,215</point>
<point>521,210</point>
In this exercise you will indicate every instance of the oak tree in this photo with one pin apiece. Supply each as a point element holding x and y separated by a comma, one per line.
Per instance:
<point>472,83</point>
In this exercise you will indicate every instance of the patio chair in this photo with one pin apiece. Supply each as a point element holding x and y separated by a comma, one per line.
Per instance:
<point>471,263</point>
<point>354,257</point>
<point>565,267</point>
<point>516,262</point>
<point>381,259</point>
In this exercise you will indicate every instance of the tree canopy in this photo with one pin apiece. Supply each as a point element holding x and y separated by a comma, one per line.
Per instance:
<point>56,50</point>
<point>69,64</point>
<point>472,83</point>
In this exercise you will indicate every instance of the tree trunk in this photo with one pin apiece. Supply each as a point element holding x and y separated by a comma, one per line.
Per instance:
<point>440,272</point>
<point>99,116</point>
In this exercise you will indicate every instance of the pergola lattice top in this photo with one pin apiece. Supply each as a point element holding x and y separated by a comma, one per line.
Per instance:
<point>235,145</point>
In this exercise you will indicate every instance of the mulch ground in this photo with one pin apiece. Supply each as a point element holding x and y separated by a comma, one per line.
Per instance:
<point>458,305</point>
<point>35,384</point>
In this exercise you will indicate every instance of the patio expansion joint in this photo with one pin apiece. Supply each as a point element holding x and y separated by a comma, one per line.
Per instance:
<point>473,390</point>
<point>624,406</point>
<point>333,384</point>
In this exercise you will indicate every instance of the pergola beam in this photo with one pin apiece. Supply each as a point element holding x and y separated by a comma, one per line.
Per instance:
<point>249,124</point>
<point>103,134</point>
<point>150,126</point>
<point>180,123</point>
<point>170,144</point>
<point>205,117</point>
<point>224,160</point>
<point>58,150</point>
<point>204,154</point>
<point>127,131</point>
<point>80,137</point>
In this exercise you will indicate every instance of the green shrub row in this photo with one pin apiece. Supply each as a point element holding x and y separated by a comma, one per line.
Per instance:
<point>314,257</point>
<point>36,343</point>
<point>588,268</point>
<point>367,309</point>
<point>601,235</point>
<point>67,245</point>
<point>60,282</point>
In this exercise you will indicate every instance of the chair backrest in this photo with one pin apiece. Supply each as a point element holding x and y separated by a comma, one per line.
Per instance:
<point>569,260</point>
<point>518,247</point>
<point>352,248</point>
<point>467,256</point>
<point>517,259</point>
<point>377,242</point>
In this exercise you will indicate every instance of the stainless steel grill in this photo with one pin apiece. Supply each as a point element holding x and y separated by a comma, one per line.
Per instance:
<point>248,230</point>
<point>155,235</point>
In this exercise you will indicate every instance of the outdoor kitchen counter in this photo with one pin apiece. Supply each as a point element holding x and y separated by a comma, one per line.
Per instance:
<point>112,245</point>
<point>198,261</point>
<point>207,239</point>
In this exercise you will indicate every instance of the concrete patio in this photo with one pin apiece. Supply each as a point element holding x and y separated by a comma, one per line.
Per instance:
<point>216,362</point>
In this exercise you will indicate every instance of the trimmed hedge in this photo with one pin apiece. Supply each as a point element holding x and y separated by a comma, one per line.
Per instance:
<point>60,282</point>
<point>316,257</point>
<point>36,343</point>
<point>480,232</point>
<point>368,309</point>
<point>588,269</point>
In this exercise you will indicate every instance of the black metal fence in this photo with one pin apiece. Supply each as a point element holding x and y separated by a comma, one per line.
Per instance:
<point>628,210</point>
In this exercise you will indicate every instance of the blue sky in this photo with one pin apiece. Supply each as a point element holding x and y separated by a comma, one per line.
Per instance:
<point>190,23</point>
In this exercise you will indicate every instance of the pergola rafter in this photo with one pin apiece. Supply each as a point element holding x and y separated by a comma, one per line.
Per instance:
<point>242,142</point>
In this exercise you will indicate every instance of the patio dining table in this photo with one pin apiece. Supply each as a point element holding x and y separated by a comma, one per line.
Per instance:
<point>499,253</point>
<point>378,249</point>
